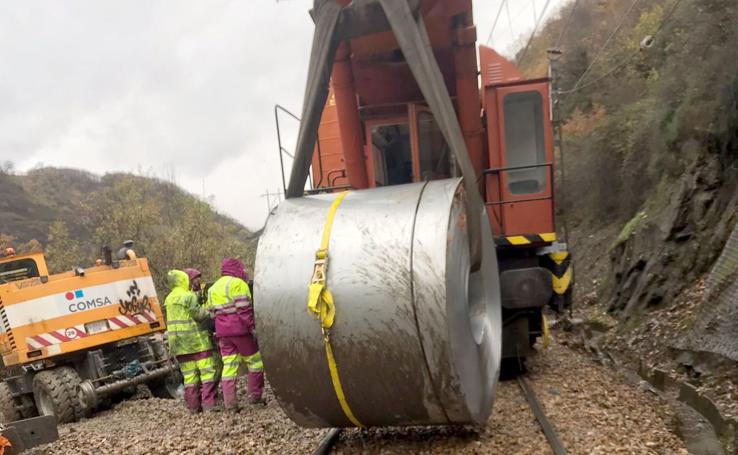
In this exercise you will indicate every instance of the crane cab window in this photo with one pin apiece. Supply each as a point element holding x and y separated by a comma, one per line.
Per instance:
<point>18,270</point>
<point>524,142</point>
<point>393,163</point>
<point>436,161</point>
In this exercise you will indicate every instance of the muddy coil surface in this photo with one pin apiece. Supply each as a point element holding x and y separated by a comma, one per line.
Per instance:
<point>417,334</point>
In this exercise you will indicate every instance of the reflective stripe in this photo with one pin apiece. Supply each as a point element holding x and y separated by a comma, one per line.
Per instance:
<point>230,365</point>
<point>229,373</point>
<point>254,363</point>
<point>185,321</point>
<point>181,332</point>
<point>256,368</point>
<point>183,326</point>
<point>230,308</point>
<point>228,289</point>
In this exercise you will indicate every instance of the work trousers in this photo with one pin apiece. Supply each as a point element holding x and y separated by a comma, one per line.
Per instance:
<point>198,372</point>
<point>234,350</point>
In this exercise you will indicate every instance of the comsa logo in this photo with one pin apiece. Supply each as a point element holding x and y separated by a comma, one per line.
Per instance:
<point>84,303</point>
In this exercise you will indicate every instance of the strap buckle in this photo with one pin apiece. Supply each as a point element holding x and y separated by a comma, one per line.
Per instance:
<point>319,268</point>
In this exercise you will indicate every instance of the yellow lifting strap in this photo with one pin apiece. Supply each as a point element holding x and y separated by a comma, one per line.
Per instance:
<point>320,304</point>
<point>544,326</point>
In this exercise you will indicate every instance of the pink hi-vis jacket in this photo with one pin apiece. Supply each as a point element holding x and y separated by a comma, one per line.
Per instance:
<point>229,303</point>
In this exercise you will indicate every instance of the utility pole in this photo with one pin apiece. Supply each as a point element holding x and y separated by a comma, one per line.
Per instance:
<point>554,55</point>
<point>273,199</point>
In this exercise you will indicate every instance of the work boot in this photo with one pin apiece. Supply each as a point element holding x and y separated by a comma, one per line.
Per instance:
<point>257,401</point>
<point>233,409</point>
<point>214,408</point>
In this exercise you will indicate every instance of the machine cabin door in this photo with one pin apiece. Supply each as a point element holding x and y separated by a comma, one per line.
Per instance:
<point>526,156</point>
<point>390,152</point>
<point>432,157</point>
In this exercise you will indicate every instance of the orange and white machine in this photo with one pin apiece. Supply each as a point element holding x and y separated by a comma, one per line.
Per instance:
<point>78,337</point>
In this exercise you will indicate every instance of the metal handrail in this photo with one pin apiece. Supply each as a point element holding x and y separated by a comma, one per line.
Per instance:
<point>497,170</point>
<point>502,202</point>
<point>330,189</point>
<point>282,151</point>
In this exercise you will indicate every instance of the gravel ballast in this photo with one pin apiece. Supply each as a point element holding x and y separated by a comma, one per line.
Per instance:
<point>592,410</point>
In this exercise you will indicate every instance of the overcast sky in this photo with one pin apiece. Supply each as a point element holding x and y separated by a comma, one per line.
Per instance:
<point>179,89</point>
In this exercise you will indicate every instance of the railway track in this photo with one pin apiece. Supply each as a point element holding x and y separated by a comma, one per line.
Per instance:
<point>535,406</point>
<point>331,437</point>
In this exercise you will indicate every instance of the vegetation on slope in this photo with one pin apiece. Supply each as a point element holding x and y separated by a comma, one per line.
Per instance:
<point>72,214</point>
<point>651,129</point>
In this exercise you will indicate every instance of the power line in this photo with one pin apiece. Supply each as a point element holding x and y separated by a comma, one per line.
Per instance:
<point>494,26</point>
<point>509,19</point>
<point>607,42</point>
<point>627,60</point>
<point>566,24</point>
<point>612,70</point>
<point>535,29</point>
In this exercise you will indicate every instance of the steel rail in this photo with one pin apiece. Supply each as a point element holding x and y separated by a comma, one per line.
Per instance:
<point>535,406</point>
<point>331,437</point>
<point>328,441</point>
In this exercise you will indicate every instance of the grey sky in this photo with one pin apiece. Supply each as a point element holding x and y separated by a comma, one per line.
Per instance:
<point>179,89</point>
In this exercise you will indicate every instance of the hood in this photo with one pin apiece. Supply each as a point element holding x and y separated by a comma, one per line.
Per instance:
<point>192,274</point>
<point>233,267</point>
<point>177,279</point>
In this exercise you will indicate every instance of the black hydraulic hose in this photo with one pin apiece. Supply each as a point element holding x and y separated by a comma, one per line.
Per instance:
<point>326,444</point>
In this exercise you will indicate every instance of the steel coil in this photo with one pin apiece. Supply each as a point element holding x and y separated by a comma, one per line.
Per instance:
<point>417,338</point>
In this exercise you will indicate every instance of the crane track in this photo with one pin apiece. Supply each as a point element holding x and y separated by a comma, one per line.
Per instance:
<point>330,438</point>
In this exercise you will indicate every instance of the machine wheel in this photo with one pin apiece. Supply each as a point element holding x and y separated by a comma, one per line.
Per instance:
<point>171,387</point>
<point>72,380</point>
<point>55,392</point>
<point>8,411</point>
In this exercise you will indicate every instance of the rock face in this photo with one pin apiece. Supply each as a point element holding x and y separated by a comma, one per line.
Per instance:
<point>667,247</point>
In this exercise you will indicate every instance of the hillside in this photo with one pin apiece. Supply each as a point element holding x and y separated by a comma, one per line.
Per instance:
<point>650,120</point>
<point>72,213</point>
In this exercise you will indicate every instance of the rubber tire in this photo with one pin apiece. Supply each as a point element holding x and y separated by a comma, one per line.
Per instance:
<point>72,380</point>
<point>8,411</point>
<point>60,387</point>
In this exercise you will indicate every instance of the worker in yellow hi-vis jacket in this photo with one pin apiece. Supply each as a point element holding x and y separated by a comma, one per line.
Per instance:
<point>190,342</point>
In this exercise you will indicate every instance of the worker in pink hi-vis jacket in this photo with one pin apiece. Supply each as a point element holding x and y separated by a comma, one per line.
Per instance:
<point>229,303</point>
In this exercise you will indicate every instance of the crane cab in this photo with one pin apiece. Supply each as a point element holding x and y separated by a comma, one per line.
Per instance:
<point>519,180</point>
<point>22,267</point>
<point>376,130</point>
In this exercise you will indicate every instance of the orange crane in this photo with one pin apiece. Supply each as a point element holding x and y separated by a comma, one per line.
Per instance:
<point>375,126</point>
